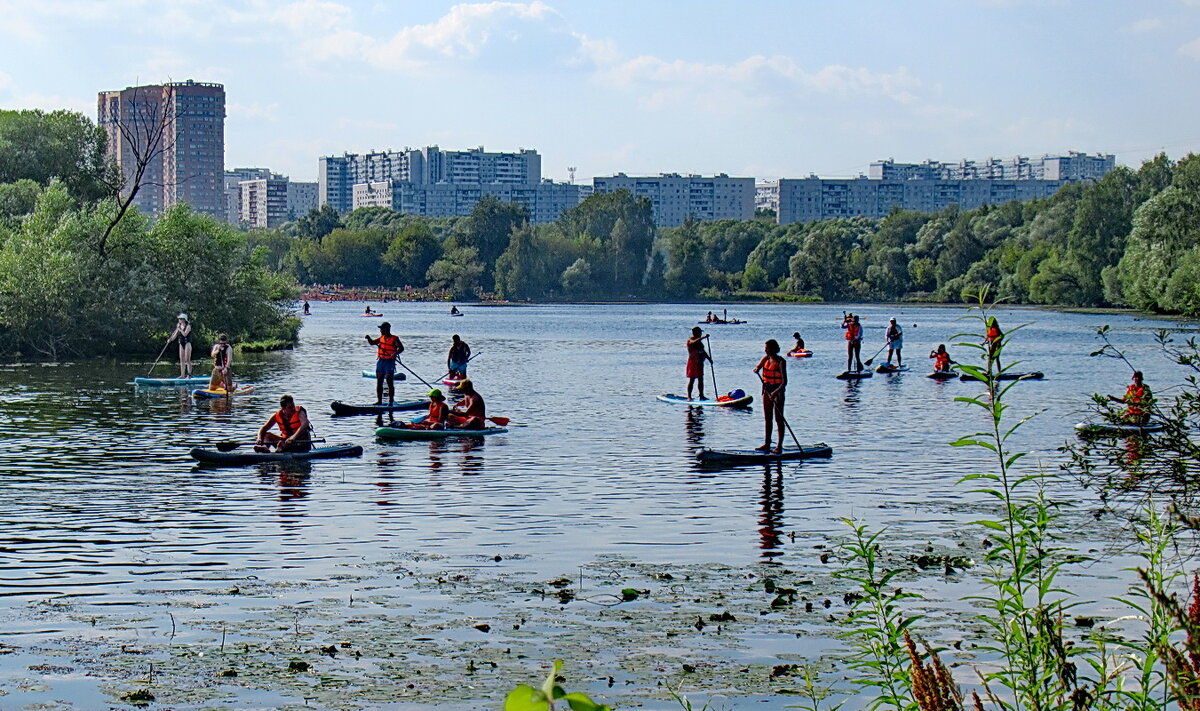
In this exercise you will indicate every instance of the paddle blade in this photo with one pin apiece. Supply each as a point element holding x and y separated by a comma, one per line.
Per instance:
<point>228,445</point>
<point>502,421</point>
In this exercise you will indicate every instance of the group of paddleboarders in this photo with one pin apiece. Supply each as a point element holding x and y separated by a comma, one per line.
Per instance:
<point>853,333</point>
<point>221,354</point>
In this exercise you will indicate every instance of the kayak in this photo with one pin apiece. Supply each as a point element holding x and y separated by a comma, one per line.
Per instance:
<point>1034,375</point>
<point>375,315</point>
<point>206,394</point>
<point>730,322</point>
<point>942,375</point>
<point>408,433</point>
<point>854,374</point>
<point>885,368</point>
<point>752,456</point>
<point>234,459</point>
<point>195,380</point>
<point>371,374</point>
<point>341,409</point>
<point>802,353</point>
<point>1112,429</point>
<point>735,402</point>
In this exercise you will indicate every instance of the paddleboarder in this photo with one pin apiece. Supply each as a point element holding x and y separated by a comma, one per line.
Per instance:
<point>994,340</point>
<point>294,427</point>
<point>799,346</point>
<point>772,370</point>
<point>454,310</point>
<point>854,335</point>
<point>471,412</point>
<point>183,333</point>
<point>895,342</point>
<point>438,414</point>
<point>456,359</point>
<point>695,362</point>
<point>222,373</point>
<point>388,349</point>
<point>941,359</point>
<point>1138,400</point>
<point>306,310</point>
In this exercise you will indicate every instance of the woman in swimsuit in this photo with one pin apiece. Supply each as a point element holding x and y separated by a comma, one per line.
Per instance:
<point>183,331</point>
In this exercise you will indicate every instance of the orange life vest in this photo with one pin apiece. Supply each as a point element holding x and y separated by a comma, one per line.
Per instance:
<point>854,332</point>
<point>1135,398</point>
<point>772,370</point>
<point>941,361</point>
<point>437,412</point>
<point>993,334</point>
<point>389,346</point>
<point>289,425</point>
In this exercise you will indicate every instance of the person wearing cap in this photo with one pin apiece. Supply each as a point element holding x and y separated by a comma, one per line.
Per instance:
<point>456,359</point>
<point>388,349</point>
<point>183,332</point>
<point>799,346</point>
<point>895,342</point>
<point>294,427</point>
<point>222,374</point>
<point>439,412</point>
<point>471,412</point>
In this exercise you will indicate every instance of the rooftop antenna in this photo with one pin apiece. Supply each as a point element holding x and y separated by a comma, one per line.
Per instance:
<point>571,173</point>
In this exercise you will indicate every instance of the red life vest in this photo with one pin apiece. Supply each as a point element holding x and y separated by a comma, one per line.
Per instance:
<point>993,334</point>
<point>941,361</point>
<point>1135,398</point>
<point>772,370</point>
<point>437,412</point>
<point>289,425</point>
<point>389,346</point>
<point>854,332</point>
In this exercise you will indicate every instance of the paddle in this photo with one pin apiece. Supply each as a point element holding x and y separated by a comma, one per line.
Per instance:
<point>867,364</point>
<point>414,374</point>
<point>231,444</point>
<point>160,355</point>
<point>712,368</point>
<point>785,422</point>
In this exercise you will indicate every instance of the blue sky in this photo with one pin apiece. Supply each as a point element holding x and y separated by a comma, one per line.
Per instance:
<point>765,89</point>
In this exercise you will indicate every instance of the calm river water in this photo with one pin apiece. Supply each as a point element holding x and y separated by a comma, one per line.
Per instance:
<point>124,566</point>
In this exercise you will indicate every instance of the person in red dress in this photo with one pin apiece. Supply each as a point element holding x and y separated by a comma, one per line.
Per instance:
<point>695,362</point>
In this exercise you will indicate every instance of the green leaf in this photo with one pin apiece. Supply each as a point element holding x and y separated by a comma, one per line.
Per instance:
<point>580,702</point>
<point>526,698</point>
<point>550,687</point>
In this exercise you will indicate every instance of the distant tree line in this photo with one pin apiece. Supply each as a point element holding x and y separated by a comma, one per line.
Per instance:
<point>80,276</point>
<point>1130,239</point>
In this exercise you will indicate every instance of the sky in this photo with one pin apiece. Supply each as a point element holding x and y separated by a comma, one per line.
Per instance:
<point>768,89</point>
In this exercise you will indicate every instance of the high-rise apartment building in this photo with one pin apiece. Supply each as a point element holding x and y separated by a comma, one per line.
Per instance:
<point>187,162</point>
<point>545,201</point>
<point>676,198</point>
<point>932,186</point>
<point>337,175</point>
<point>233,190</point>
<point>271,201</point>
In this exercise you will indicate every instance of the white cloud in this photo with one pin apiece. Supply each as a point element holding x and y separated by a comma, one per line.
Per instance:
<point>1149,24</point>
<point>267,112</point>
<point>1191,49</point>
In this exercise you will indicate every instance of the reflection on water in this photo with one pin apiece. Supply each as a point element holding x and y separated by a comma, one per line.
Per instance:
<point>770,519</point>
<point>694,426</point>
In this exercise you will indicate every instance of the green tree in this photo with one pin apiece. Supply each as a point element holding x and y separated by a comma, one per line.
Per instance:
<point>521,271</point>
<point>458,271</point>
<point>686,275</point>
<point>628,245</point>
<point>318,222</point>
<point>66,145</point>
<point>577,279</point>
<point>412,252</point>
<point>487,230</point>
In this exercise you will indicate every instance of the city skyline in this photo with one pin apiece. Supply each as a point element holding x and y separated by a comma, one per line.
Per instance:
<point>769,90</point>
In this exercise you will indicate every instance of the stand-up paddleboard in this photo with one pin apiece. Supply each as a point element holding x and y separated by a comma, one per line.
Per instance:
<point>722,457</point>
<point>194,380</point>
<point>743,401</point>
<point>942,375</point>
<point>371,374</point>
<point>1032,375</point>
<point>206,394</point>
<point>341,409</point>
<point>410,433</point>
<point>885,368</point>
<point>236,459</point>
<point>854,374</point>
<point>1113,429</point>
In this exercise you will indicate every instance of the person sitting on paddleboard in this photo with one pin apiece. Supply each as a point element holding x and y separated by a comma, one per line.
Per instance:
<point>709,318</point>
<point>772,370</point>
<point>368,310</point>
<point>438,414</point>
<point>471,412</point>
<point>456,360</point>
<point>222,373</point>
<point>941,359</point>
<point>799,347</point>
<point>1138,400</point>
<point>994,340</point>
<point>388,349</point>
<point>695,362</point>
<point>183,332</point>
<point>294,427</point>
<point>895,342</point>
<point>453,310</point>
<point>854,335</point>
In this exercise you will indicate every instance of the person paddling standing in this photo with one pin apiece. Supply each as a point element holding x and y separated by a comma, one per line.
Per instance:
<point>183,332</point>
<point>456,359</point>
<point>388,349</point>
<point>695,362</point>
<point>772,370</point>
<point>994,340</point>
<point>895,342</point>
<point>294,427</point>
<point>854,335</point>
<point>222,374</point>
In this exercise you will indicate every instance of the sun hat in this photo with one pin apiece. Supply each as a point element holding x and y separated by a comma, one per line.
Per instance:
<point>182,316</point>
